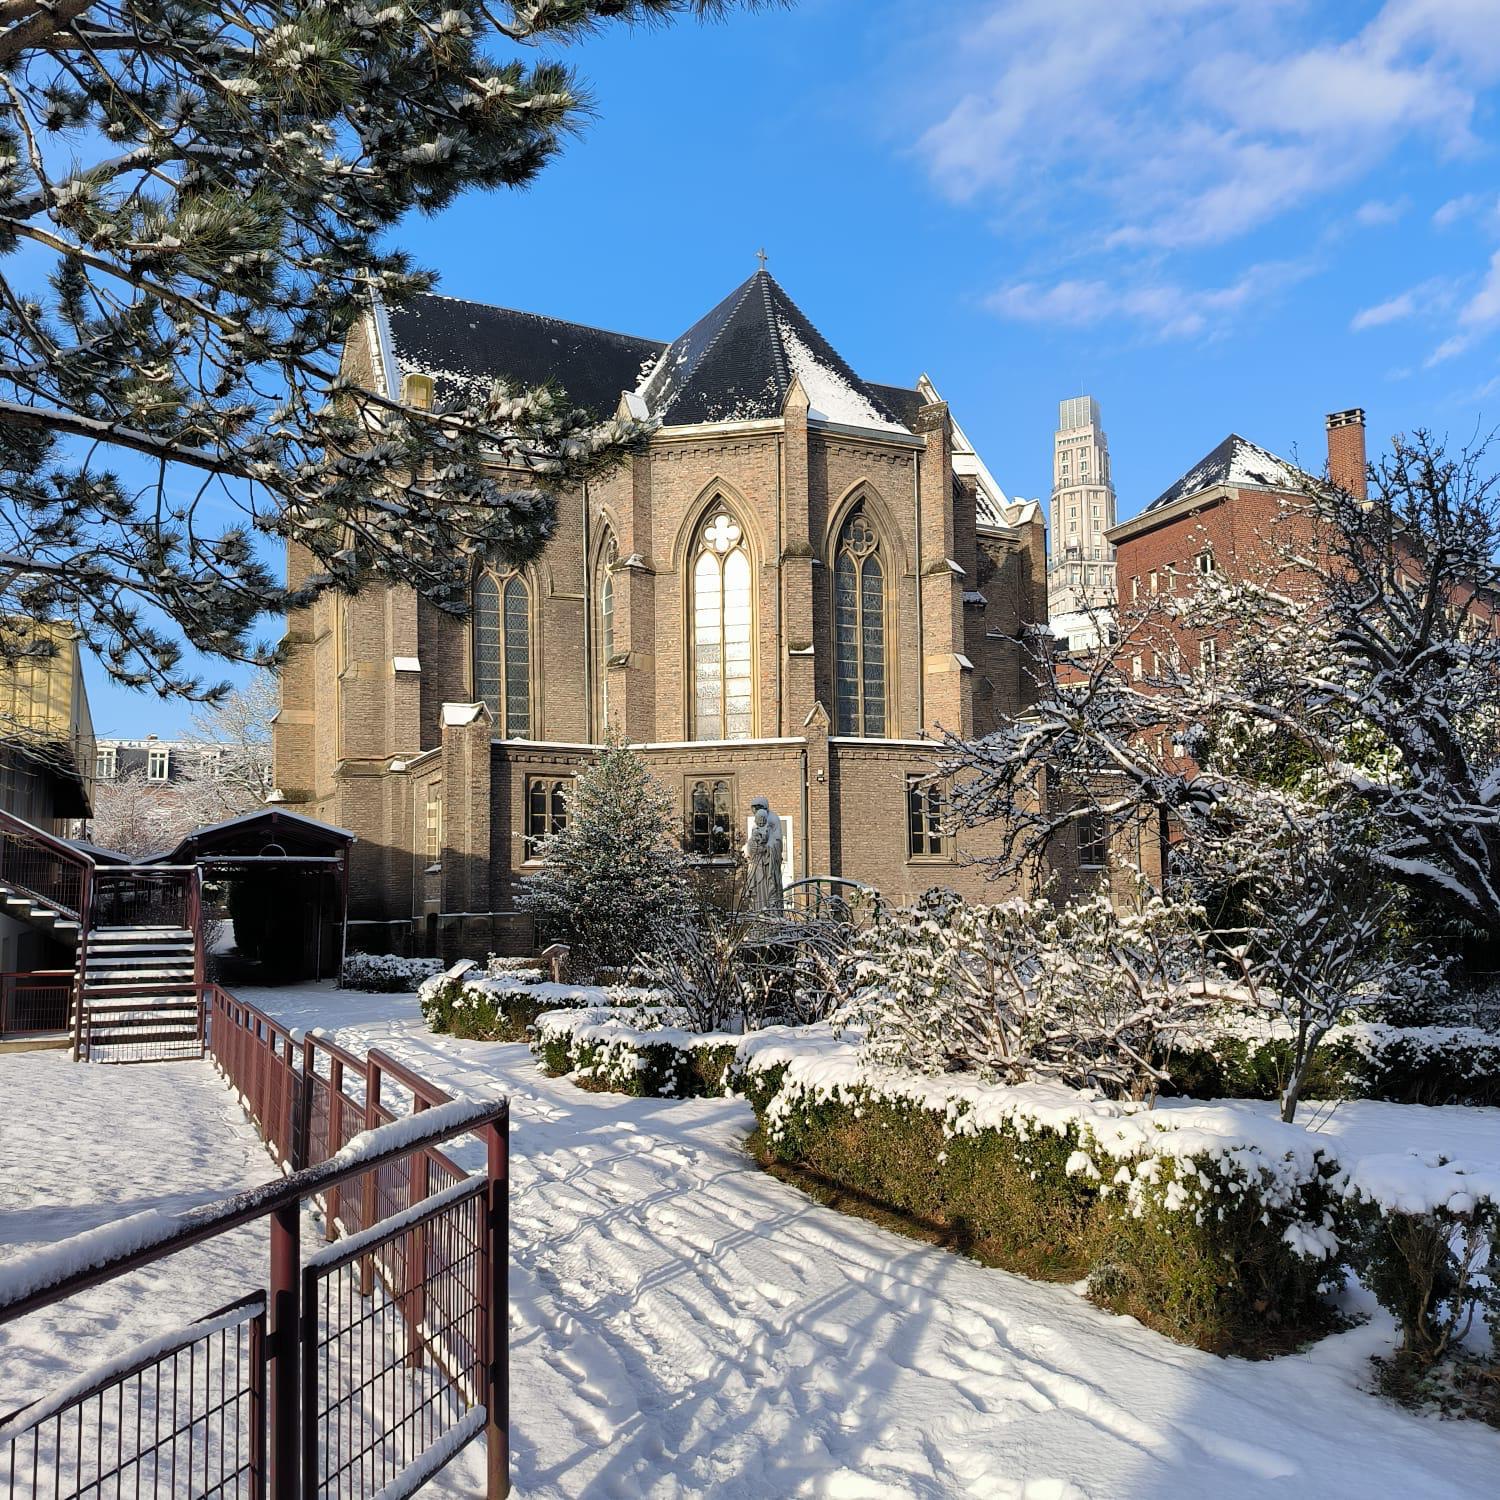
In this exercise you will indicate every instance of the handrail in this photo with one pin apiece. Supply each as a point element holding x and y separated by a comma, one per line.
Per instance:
<point>30,830</point>
<point>47,1275</point>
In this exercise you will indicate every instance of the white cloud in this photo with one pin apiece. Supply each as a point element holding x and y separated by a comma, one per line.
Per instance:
<point>1479,316</point>
<point>1458,208</point>
<point>1161,309</point>
<point>1426,299</point>
<point>1169,124</point>
<point>1393,311</point>
<point>1378,211</point>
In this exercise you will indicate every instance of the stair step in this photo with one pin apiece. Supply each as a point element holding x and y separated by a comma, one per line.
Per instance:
<point>139,934</point>
<point>138,1007</point>
<point>96,979</point>
<point>137,984</point>
<point>139,963</point>
<point>188,1037</point>
<point>166,945</point>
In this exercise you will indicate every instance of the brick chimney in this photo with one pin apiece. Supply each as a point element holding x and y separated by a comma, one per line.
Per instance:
<point>1346,450</point>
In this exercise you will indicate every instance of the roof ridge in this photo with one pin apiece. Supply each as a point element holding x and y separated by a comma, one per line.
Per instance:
<point>778,349</point>
<point>526,312</point>
<point>860,384</point>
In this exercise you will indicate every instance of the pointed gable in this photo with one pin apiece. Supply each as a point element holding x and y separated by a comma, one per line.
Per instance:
<point>737,362</point>
<point>1235,463</point>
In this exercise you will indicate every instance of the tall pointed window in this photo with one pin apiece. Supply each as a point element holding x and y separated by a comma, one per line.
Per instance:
<point>723,696</point>
<point>859,630</point>
<point>502,652</point>
<point>604,595</point>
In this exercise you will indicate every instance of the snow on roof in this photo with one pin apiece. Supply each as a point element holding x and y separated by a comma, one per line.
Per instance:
<point>1235,462</point>
<point>830,395</point>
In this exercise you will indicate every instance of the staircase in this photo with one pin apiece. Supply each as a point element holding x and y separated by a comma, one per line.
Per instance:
<point>36,912</point>
<point>140,995</point>
<point>136,931</point>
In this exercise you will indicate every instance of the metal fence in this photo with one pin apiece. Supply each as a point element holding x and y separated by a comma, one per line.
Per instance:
<point>36,864</point>
<point>184,1416</point>
<point>365,1367</point>
<point>37,1003</point>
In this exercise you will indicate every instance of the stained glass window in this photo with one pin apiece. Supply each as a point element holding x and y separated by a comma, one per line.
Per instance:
<point>605,594</point>
<point>859,630</point>
<point>723,695</point>
<point>502,652</point>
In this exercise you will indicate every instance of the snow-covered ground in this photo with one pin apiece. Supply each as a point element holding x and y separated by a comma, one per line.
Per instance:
<point>84,1144</point>
<point>685,1325</point>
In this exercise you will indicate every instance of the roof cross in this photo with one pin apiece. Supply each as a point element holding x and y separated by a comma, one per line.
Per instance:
<point>760,255</point>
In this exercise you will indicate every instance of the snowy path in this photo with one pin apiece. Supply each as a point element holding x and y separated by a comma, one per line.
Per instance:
<point>685,1325</point>
<point>82,1144</point>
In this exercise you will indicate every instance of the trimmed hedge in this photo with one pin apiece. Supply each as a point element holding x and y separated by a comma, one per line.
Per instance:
<point>486,1010</point>
<point>1213,1247</point>
<point>601,1050</point>
<point>1401,1065</point>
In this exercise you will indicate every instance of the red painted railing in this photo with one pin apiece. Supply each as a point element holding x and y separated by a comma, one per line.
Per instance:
<point>411,1304</point>
<point>37,864</point>
<point>36,1003</point>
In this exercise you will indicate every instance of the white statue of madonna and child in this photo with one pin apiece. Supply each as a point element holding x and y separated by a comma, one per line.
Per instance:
<point>763,859</point>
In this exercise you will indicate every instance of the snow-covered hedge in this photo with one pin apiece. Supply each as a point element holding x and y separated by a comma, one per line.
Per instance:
<point>483,1009</point>
<point>1213,1224</point>
<point>634,1050</point>
<point>1401,1064</point>
<point>386,973</point>
<point>1215,1227</point>
<point>1427,1230</point>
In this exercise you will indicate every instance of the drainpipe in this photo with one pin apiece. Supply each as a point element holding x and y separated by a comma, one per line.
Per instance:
<point>806,816</point>
<point>590,727</point>
<point>916,506</point>
<point>780,588</point>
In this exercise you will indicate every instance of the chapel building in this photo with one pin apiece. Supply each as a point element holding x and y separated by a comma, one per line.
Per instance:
<point>797,581</point>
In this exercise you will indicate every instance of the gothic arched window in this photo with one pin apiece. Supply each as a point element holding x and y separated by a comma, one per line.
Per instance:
<point>859,630</point>
<point>604,595</point>
<point>723,691</point>
<point>502,652</point>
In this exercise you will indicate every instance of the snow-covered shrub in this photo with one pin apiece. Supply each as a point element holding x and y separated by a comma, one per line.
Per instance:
<point>1209,1226</point>
<point>634,1051</point>
<point>515,970</point>
<point>1085,994</point>
<point>1429,1226</point>
<point>492,1010</point>
<point>1403,1065</point>
<point>387,973</point>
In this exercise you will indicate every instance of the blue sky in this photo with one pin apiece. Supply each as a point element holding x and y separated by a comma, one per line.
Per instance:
<point>1212,216</point>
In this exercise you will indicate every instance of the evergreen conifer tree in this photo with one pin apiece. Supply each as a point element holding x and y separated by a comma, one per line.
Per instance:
<point>196,201</point>
<point>615,878</point>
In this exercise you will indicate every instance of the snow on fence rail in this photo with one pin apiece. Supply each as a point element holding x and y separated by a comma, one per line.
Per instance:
<point>412,1305</point>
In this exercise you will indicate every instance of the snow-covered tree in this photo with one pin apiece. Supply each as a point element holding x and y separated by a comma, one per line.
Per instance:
<point>1087,993</point>
<point>232,771</point>
<point>1364,673</point>
<point>615,878</point>
<point>196,200</point>
<point>1330,773</point>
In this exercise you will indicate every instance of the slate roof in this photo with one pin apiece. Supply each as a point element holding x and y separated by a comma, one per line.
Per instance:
<point>902,403</point>
<point>737,362</point>
<point>464,345</point>
<point>1237,462</point>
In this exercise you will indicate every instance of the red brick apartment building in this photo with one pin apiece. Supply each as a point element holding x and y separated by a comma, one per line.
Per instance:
<point>800,577</point>
<point>1227,514</point>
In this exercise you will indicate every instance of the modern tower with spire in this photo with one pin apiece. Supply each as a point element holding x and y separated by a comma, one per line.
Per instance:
<point>1080,562</point>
